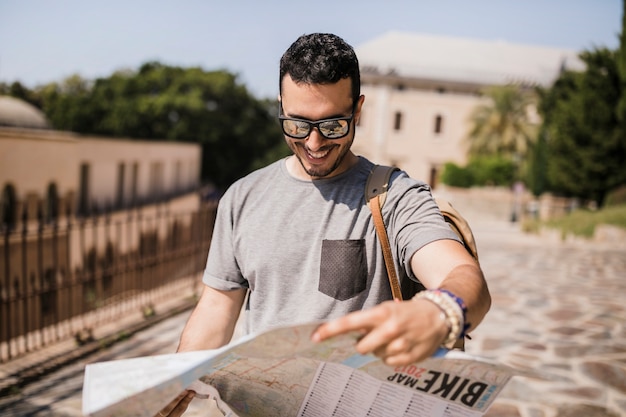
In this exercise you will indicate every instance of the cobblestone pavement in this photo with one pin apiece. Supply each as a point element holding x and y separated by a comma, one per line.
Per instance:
<point>60,393</point>
<point>557,307</point>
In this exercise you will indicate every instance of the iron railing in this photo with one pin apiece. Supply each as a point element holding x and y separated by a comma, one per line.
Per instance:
<point>63,279</point>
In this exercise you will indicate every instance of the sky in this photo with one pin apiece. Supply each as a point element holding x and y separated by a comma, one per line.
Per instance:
<point>44,41</point>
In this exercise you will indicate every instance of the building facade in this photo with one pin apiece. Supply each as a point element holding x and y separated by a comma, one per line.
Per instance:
<point>420,91</point>
<point>91,224</point>
<point>78,174</point>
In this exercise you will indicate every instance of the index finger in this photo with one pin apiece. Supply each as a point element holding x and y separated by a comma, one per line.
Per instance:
<point>362,321</point>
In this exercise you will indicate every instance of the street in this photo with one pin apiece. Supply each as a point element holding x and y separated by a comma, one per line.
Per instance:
<point>59,394</point>
<point>557,307</point>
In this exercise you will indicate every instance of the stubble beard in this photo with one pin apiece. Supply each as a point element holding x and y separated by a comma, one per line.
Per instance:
<point>321,173</point>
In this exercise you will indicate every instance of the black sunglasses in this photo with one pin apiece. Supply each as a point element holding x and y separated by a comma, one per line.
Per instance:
<point>335,128</point>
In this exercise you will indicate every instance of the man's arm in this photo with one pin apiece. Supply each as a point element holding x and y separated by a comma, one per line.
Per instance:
<point>410,331</point>
<point>212,322</point>
<point>445,264</point>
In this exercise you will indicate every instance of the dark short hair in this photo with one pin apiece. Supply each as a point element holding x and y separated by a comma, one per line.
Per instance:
<point>321,58</point>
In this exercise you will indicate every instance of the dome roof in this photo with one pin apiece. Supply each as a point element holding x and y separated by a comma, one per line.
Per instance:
<point>18,113</point>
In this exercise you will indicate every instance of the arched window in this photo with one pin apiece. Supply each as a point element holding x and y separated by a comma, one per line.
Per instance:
<point>120,197</point>
<point>438,124</point>
<point>52,204</point>
<point>397,121</point>
<point>8,215</point>
<point>134,184</point>
<point>84,190</point>
<point>433,177</point>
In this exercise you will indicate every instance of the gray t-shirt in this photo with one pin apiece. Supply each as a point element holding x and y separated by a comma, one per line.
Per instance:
<point>307,250</point>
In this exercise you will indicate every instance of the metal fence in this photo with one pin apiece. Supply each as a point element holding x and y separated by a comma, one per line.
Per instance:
<point>62,279</point>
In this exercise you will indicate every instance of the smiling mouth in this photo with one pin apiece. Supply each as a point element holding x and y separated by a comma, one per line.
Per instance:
<point>317,155</point>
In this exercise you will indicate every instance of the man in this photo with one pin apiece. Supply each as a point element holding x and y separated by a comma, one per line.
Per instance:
<point>299,237</point>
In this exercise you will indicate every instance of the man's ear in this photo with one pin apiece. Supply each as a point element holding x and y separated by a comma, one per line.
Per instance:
<point>359,107</point>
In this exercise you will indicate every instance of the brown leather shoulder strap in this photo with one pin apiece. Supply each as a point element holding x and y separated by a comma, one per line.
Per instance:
<point>378,183</point>
<point>375,194</point>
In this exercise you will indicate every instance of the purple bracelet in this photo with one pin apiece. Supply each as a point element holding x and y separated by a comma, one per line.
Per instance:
<point>463,307</point>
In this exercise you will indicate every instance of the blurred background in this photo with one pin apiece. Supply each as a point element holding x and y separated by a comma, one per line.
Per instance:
<point>121,123</point>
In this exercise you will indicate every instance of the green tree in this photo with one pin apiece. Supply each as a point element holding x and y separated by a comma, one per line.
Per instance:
<point>480,171</point>
<point>17,90</point>
<point>492,170</point>
<point>158,102</point>
<point>67,105</point>
<point>457,176</point>
<point>502,126</point>
<point>586,149</point>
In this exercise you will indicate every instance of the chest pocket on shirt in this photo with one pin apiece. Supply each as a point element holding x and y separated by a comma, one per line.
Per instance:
<point>343,268</point>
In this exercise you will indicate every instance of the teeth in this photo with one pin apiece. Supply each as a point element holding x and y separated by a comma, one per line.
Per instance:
<point>318,155</point>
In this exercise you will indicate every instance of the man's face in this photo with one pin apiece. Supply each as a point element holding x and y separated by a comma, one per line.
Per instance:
<point>320,157</point>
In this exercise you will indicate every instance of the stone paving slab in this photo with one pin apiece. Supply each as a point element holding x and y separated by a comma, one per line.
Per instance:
<point>559,308</point>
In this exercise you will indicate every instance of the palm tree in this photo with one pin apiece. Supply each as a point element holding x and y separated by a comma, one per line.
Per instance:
<point>506,125</point>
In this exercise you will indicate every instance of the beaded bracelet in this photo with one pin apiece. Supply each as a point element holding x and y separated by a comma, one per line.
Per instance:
<point>459,301</point>
<point>454,310</point>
